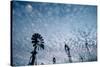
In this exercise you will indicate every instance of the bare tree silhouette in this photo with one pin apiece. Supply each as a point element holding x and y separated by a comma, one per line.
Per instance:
<point>88,37</point>
<point>67,50</point>
<point>85,35</point>
<point>38,43</point>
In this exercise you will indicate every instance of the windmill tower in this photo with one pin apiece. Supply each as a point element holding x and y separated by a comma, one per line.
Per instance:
<point>38,44</point>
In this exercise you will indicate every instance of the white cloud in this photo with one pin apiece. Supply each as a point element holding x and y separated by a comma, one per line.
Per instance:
<point>29,8</point>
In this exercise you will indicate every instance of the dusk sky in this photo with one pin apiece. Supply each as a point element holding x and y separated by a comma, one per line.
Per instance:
<point>57,23</point>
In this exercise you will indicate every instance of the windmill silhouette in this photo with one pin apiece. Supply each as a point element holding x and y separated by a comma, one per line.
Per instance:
<point>38,44</point>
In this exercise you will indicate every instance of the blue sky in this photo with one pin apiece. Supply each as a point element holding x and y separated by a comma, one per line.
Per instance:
<point>57,23</point>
